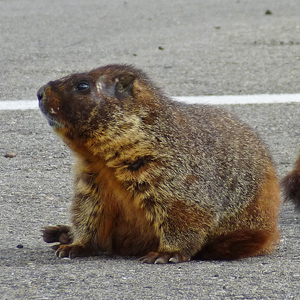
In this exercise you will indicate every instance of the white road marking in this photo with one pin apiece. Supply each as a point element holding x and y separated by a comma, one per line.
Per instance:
<point>243,99</point>
<point>19,105</point>
<point>213,100</point>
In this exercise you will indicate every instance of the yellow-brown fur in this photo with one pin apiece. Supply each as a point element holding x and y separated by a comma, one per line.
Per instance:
<point>156,178</point>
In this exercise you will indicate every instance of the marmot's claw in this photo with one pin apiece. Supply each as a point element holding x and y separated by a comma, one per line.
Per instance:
<point>55,247</point>
<point>63,251</point>
<point>163,258</point>
<point>74,250</point>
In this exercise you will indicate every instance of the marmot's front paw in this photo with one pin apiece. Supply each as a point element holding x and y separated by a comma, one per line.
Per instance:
<point>57,234</point>
<point>163,258</point>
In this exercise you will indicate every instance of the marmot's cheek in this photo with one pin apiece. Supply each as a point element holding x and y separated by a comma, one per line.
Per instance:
<point>51,112</point>
<point>52,107</point>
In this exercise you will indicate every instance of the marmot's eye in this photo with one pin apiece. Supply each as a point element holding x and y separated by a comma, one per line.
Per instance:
<point>82,86</point>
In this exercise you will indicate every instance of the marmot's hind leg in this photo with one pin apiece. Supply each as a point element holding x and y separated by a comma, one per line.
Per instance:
<point>251,232</point>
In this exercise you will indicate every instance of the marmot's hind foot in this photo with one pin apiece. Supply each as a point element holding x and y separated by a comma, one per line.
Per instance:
<point>163,258</point>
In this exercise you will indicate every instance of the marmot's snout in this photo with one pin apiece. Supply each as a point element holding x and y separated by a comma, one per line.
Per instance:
<point>41,93</point>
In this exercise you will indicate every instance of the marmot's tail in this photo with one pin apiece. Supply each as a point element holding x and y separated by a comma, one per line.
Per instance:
<point>291,187</point>
<point>239,244</point>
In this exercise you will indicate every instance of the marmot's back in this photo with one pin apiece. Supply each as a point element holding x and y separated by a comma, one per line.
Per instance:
<point>159,178</point>
<point>225,156</point>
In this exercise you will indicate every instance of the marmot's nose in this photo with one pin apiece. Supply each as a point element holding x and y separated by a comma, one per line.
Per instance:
<point>41,93</point>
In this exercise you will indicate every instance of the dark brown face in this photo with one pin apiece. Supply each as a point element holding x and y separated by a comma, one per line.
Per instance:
<point>67,101</point>
<point>108,103</point>
<point>83,103</point>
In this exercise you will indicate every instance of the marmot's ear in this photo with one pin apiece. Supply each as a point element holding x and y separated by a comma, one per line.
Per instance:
<point>123,86</point>
<point>120,87</point>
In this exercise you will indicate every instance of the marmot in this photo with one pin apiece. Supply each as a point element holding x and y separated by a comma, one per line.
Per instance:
<point>155,178</point>
<point>291,185</point>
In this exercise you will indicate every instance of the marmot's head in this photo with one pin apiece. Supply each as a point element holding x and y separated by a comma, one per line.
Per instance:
<point>105,101</point>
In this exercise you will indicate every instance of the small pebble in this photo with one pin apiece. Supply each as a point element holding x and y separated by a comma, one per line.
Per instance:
<point>10,155</point>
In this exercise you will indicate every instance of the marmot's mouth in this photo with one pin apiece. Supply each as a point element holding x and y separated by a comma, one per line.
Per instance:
<point>53,122</point>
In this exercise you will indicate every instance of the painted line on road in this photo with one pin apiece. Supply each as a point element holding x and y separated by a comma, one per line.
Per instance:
<point>19,105</point>
<point>213,100</point>
<point>242,99</point>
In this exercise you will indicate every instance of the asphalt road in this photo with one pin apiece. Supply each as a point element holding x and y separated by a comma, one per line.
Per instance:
<point>188,48</point>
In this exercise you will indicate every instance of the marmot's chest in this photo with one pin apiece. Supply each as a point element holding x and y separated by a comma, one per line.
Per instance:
<point>120,223</point>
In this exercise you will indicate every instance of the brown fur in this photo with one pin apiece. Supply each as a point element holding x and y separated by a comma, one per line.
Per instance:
<point>291,185</point>
<point>251,232</point>
<point>155,178</point>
